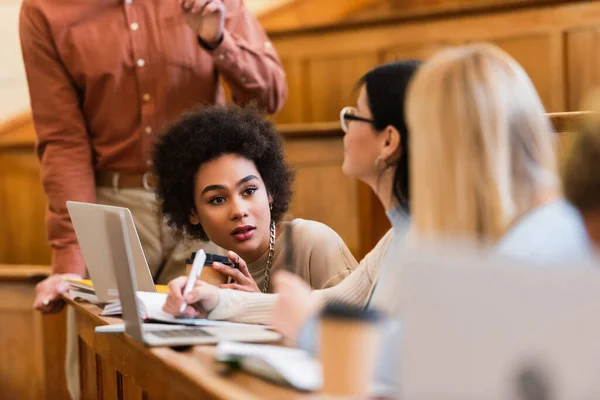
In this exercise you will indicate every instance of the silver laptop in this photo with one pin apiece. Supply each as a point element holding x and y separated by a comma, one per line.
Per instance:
<point>164,335</point>
<point>481,328</point>
<point>93,231</point>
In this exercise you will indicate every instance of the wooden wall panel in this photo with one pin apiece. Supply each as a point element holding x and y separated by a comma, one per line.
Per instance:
<point>420,51</point>
<point>538,67</point>
<point>330,83</point>
<point>583,65</point>
<point>556,44</point>
<point>22,209</point>
<point>22,199</point>
<point>295,107</point>
<point>321,191</point>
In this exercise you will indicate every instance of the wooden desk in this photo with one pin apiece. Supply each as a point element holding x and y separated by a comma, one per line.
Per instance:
<point>114,366</point>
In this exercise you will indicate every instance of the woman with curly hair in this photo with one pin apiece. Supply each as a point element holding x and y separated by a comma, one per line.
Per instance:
<point>376,152</point>
<point>222,177</point>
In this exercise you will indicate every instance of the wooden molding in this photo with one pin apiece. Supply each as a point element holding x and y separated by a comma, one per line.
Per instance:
<point>17,131</point>
<point>24,273</point>
<point>310,129</point>
<point>569,121</point>
<point>301,15</point>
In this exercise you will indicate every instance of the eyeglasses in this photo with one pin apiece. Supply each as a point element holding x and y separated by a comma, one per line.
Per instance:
<point>349,114</point>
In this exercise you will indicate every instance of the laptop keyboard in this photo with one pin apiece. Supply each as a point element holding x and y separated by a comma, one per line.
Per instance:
<point>178,333</point>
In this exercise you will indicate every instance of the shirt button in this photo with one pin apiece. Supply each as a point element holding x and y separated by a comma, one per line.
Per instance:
<point>146,97</point>
<point>268,45</point>
<point>243,79</point>
<point>140,63</point>
<point>134,26</point>
<point>220,57</point>
<point>148,130</point>
<point>149,163</point>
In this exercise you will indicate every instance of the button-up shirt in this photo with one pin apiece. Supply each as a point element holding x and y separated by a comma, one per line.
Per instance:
<point>104,75</point>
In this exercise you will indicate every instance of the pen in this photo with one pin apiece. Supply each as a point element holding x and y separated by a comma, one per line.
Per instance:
<point>195,272</point>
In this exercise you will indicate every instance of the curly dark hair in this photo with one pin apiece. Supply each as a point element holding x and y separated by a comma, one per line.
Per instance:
<point>204,134</point>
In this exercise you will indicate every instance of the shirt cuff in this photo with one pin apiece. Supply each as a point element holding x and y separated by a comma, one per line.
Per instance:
<point>225,54</point>
<point>68,260</point>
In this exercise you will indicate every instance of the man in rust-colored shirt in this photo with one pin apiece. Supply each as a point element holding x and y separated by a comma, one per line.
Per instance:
<point>104,76</point>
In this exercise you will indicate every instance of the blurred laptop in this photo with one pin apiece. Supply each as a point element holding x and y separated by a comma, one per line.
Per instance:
<point>93,231</point>
<point>482,328</point>
<point>164,335</point>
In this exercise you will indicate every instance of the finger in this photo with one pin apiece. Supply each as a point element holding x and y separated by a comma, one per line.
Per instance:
<point>176,286</point>
<point>195,295</point>
<point>190,312</point>
<point>62,287</point>
<point>236,286</point>
<point>211,8</point>
<point>241,264</point>
<point>39,305</point>
<point>234,273</point>
<point>49,306</point>
<point>56,306</point>
<point>199,313</point>
<point>173,306</point>
<point>187,4</point>
<point>169,307</point>
<point>200,6</point>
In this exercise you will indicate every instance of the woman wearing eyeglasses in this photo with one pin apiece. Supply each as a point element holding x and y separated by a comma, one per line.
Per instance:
<point>376,153</point>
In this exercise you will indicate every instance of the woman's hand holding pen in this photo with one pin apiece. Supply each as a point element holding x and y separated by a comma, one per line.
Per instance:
<point>201,300</point>
<point>243,280</point>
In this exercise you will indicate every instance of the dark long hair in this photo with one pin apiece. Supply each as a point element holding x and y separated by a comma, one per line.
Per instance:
<point>386,88</point>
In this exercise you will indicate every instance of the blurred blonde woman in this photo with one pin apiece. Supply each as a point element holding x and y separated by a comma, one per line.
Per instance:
<point>484,164</point>
<point>483,170</point>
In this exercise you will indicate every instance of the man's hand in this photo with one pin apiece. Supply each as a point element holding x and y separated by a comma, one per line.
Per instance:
<point>207,19</point>
<point>48,293</point>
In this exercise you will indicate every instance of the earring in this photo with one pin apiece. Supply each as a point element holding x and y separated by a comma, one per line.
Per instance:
<point>271,206</point>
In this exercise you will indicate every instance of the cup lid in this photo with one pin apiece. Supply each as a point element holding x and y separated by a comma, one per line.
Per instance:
<point>210,258</point>
<point>345,311</point>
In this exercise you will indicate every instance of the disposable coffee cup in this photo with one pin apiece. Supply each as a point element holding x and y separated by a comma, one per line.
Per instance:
<point>209,274</point>
<point>348,349</point>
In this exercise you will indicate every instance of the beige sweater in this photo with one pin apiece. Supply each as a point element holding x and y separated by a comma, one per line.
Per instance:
<point>256,308</point>
<point>320,256</point>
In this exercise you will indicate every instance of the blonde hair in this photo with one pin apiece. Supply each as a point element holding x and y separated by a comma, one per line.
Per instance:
<point>482,146</point>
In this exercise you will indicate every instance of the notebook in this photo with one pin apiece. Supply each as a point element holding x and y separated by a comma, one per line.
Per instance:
<point>283,365</point>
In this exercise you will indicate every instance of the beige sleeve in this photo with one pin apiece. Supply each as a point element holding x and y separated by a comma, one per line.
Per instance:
<point>323,252</point>
<point>244,307</point>
<point>256,308</point>
<point>356,289</point>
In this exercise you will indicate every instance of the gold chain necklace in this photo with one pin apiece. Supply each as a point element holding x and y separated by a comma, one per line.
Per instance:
<point>269,258</point>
